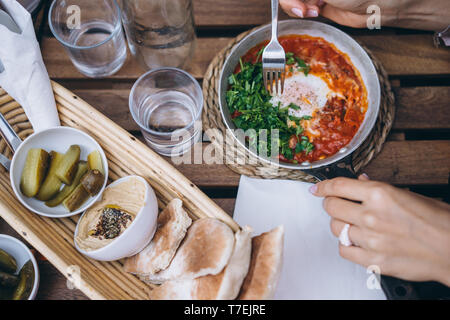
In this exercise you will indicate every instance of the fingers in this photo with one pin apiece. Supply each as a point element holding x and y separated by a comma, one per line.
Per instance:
<point>300,9</point>
<point>363,177</point>
<point>343,210</point>
<point>358,255</point>
<point>318,3</point>
<point>347,188</point>
<point>344,17</point>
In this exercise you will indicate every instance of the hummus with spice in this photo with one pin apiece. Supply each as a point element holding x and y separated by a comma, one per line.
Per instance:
<point>108,218</point>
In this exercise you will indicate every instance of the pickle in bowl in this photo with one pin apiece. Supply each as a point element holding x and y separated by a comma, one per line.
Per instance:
<point>67,167</point>
<point>63,178</point>
<point>33,172</point>
<point>7,262</point>
<point>15,285</point>
<point>52,183</point>
<point>95,161</point>
<point>76,198</point>
<point>8,280</point>
<point>93,181</point>
<point>82,168</point>
<point>26,282</point>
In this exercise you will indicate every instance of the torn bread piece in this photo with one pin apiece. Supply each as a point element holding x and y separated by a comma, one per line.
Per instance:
<point>205,250</point>
<point>173,223</point>
<point>222,286</point>
<point>265,266</point>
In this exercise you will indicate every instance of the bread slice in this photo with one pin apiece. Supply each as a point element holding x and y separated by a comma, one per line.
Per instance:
<point>173,223</point>
<point>265,266</point>
<point>222,286</point>
<point>205,250</point>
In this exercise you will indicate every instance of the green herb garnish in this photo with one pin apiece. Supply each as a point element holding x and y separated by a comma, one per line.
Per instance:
<point>302,66</point>
<point>249,103</point>
<point>291,59</point>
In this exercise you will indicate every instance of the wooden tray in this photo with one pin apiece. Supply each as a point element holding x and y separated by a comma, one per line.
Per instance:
<point>53,238</point>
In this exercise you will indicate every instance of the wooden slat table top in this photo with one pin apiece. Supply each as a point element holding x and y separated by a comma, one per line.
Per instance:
<point>416,155</point>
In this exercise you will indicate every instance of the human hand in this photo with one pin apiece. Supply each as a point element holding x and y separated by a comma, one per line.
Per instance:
<point>353,13</point>
<point>405,234</point>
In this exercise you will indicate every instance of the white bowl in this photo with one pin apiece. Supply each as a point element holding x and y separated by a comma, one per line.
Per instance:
<point>55,139</point>
<point>138,234</point>
<point>20,252</point>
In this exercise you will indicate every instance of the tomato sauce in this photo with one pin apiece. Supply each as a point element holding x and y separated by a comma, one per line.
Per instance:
<point>333,126</point>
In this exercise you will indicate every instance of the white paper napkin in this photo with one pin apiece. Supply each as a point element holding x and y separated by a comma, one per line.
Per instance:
<point>25,77</point>
<point>312,267</point>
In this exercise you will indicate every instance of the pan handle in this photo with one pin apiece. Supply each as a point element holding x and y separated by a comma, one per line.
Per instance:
<point>8,133</point>
<point>341,169</point>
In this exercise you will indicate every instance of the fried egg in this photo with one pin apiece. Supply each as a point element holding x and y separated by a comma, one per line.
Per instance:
<point>309,92</point>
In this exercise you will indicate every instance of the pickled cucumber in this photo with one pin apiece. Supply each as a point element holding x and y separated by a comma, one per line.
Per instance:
<point>93,181</point>
<point>7,262</point>
<point>8,280</point>
<point>95,161</point>
<point>51,184</point>
<point>76,198</point>
<point>33,172</point>
<point>67,167</point>
<point>26,282</point>
<point>68,189</point>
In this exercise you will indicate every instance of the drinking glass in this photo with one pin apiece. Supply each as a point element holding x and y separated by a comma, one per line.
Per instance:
<point>91,32</point>
<point>167,104</point>
<point>160,33</point>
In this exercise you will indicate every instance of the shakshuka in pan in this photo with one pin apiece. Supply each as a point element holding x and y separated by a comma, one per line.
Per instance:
<point>320,110</point>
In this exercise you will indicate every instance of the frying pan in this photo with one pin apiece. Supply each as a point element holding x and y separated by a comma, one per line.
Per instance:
<point>338,164</point>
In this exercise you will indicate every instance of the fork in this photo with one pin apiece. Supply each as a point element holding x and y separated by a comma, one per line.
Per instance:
<point>273,57</point>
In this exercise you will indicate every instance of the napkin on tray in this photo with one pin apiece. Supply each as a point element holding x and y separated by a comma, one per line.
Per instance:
<point>312,267</point>
<point>25,77</point>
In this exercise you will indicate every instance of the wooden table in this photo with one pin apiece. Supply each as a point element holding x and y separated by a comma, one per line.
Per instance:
<point>416,155</point>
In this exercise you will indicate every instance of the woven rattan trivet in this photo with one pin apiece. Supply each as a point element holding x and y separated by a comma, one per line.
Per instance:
<point>241,161</point>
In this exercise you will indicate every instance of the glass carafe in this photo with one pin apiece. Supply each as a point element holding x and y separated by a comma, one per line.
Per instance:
<point>160,33</point>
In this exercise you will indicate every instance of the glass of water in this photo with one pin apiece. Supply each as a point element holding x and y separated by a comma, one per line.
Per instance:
<point>91,32</point>
<point>160,33</point>
<point>167,105</point>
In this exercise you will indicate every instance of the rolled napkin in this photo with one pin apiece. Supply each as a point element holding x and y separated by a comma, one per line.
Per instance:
<point>24,75</point>
<point>312,266</point>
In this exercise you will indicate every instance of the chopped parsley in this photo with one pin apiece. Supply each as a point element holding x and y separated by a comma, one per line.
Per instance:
<point>291,59</point>
<point>249,104</point>
<point>302,66</point>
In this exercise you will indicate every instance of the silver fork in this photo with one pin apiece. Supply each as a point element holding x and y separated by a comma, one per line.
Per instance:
<point>273,57</point>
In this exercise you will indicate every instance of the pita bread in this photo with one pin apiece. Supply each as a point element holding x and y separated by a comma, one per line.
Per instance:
<point>173,223</point>
<point>265,266</point>
<point>222,286</point>
<point>205,250</point>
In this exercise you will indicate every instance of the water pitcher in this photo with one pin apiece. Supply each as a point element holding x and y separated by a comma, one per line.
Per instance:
<point>160,33</point>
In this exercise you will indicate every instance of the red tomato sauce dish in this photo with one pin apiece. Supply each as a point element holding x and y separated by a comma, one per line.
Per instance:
<point>321,108</point>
